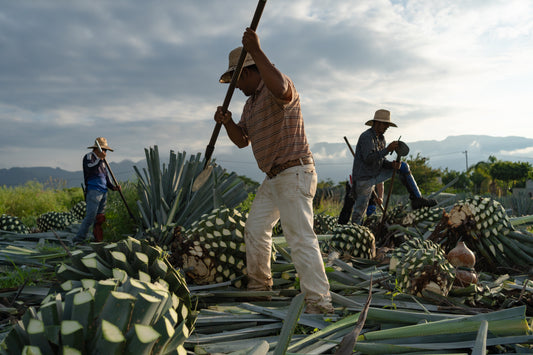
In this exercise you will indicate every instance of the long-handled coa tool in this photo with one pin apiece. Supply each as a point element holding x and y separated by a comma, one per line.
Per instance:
<point>115,182</point>
<point>401,151</point>
<point>204,175</point>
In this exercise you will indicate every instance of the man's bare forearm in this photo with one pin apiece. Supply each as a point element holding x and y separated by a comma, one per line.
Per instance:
<point>236,134</point>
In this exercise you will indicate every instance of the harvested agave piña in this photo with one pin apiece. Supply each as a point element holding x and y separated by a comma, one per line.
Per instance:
<point>410,244</point>
<point>324,223</point>
<point>12,224</point>
<point>54,220</point>
<point>79,209</point>
<point>354,240</point>
<point>485,227</point>
<point>424,270</point>
<point>424,218</point>
<point>213,249</point>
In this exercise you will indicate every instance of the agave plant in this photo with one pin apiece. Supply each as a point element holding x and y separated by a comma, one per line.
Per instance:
<point>131,257</point>
<point>113,316</point>
<point>168,200</point>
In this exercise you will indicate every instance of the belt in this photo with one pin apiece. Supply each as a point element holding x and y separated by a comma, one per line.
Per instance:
<point>276,169</point>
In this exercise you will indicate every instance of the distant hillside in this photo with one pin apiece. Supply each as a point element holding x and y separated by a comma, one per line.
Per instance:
<point>333,160</point>
<point>19,176</point>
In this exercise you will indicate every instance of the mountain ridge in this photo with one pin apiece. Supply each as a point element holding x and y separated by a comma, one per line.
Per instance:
<point>333,160</point>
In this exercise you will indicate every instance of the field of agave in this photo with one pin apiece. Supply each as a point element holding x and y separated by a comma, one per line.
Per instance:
<point>454,278</point>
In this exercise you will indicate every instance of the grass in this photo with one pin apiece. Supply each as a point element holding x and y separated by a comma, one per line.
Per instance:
<point>15,276</point>
<point>329,206</point>
<point>32,199</point>
<point>29,201</point>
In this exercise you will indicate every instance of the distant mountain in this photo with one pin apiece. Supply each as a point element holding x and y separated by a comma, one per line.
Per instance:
<point>123,171</point>
<point>333,160</point>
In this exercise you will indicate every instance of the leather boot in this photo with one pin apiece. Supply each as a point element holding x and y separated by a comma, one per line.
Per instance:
<point>98,231</point>
<point>417,201</point>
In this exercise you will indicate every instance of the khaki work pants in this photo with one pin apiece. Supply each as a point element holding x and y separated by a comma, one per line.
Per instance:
<point>288,196</point>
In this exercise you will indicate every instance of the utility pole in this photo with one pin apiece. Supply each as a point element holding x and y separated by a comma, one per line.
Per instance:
<point>466,157</point>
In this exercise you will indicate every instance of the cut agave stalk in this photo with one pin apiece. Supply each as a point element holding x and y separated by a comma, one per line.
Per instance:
<point>72,334</point>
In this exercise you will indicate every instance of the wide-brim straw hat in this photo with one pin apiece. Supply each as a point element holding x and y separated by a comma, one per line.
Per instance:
<point>233,60</point>
<point>103,144</point>
<point>381,116</point>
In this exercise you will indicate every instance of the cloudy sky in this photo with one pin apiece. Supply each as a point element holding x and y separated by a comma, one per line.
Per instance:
<point>144,73</point>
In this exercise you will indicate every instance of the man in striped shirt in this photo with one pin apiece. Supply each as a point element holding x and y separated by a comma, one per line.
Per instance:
<point>272,123</point>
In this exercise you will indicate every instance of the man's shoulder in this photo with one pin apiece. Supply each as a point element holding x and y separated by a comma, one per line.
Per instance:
<point>367,133</point>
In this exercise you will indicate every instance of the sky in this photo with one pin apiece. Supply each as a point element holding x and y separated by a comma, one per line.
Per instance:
<point>145,73</point>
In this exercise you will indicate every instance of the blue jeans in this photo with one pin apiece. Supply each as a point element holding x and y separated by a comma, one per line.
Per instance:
<point>96,202</point>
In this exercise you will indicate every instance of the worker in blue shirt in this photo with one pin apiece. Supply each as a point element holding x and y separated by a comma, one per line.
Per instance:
<point>97,183</point>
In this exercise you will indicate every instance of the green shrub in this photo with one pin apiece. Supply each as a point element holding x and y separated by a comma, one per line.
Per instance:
<point>118,223</point>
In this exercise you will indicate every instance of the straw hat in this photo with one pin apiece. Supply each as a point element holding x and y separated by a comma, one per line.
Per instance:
<point>103,143</point>
<point>233,60</point>
<point>381,116</point>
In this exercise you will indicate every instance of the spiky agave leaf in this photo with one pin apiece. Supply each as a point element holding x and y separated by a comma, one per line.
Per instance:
<point>166,198</point>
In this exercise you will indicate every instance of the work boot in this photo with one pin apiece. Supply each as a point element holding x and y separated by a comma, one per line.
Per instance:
<point>98,231</point>
<point>420,202</point>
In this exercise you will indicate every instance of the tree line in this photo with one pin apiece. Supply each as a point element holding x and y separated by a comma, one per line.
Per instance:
<point>493,176</point>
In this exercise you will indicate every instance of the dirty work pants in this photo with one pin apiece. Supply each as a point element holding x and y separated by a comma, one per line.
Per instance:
<point>362,190</point>
<point>289,197</point>
<point>346,211</point>
<point>96,202</point>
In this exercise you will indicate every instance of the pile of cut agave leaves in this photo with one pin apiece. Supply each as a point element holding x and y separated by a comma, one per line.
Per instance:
<point>372,315</point>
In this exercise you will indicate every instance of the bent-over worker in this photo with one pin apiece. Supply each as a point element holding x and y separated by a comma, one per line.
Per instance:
<point>272,123</point>
<point>371,168</point>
